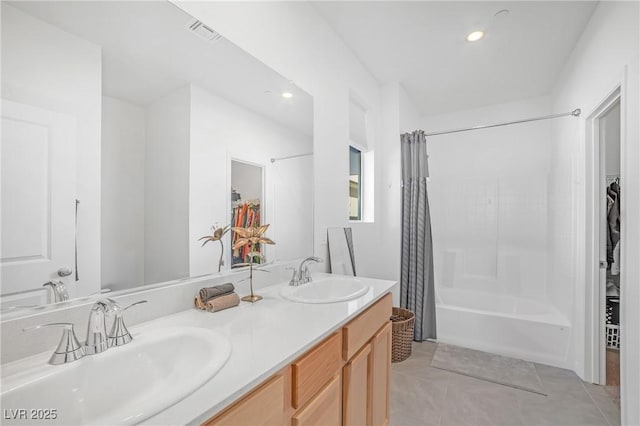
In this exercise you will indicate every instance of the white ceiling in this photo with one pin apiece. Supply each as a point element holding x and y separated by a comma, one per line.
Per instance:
<point>422,45</point>
<point>147,52</point>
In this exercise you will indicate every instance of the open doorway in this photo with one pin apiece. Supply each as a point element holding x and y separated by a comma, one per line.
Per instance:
<point>604,194</point>
<point>609,127</point>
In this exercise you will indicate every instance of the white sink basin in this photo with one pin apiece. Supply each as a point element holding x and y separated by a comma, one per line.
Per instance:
<point>326,290</point>
<point>124,385</point>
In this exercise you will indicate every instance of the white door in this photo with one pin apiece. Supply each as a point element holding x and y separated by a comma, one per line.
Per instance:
<point>38,201</point>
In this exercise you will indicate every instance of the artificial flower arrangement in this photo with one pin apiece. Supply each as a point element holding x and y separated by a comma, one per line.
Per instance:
<point>250,236</point>
<point>217,234</point>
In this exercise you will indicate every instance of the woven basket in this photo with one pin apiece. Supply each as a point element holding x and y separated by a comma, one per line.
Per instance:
<point>403,321</point>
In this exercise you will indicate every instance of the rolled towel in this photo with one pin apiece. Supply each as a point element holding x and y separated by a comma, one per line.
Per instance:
<point>209,293</point>
<point>199,304</point>
<point>223,302</point>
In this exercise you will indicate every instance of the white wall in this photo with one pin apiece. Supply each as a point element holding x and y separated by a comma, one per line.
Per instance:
<point>123,165</point>
<point>488,200</point>
<point>399,115</point>
<point>605,56</point>
<point>221,131</point>
<point>49,68</point>
<point>292,183</point>
<point>294,40</point>
<point>410,118</point>
<point>631,250</point>
<point>166,201</point>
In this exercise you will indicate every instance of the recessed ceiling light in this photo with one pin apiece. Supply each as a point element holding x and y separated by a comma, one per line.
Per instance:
<point>287,95</point>
<point>475,36</point>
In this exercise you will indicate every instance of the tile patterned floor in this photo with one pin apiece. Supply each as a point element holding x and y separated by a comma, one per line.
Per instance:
<point>423,395</point>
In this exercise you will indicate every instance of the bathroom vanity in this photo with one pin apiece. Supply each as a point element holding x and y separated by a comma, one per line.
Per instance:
<point>342,380</point>
<point>273,362</point>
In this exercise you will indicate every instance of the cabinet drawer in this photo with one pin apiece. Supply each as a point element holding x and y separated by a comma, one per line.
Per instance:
<point>361,330</point>
<point>312,371</point>
<point>324,409</point>
<point>263,407</point>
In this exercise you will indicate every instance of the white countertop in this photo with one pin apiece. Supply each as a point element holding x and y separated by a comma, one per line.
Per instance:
<point>265,337</point>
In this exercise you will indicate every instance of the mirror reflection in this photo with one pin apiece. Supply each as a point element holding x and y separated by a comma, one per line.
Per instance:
<point>246,209</point>
<point>121,150</point>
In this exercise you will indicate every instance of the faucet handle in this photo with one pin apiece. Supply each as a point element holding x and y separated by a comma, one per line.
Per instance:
<point>139,302</point>
<point>69,348</point>
<point>119,334</point>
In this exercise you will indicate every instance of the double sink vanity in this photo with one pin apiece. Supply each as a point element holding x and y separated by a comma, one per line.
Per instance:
<point>312,354</point>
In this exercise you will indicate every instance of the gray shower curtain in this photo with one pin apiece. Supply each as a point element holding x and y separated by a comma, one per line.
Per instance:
<point>416,280</point>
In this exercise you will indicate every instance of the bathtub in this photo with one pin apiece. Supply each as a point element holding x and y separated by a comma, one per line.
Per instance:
<point>503,324</point>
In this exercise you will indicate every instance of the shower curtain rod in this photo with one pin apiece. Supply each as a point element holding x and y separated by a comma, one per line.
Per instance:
<point>575,113</point>
<point>273,160</point>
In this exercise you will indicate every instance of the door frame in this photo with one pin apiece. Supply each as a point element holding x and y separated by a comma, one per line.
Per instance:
<point>263,203</point>
<point>596,210</point>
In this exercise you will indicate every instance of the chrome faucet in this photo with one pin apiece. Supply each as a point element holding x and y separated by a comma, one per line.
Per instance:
<point>60,293</point>
<point>97,328</point>
<point>98,339</point>
<point>302,275</point>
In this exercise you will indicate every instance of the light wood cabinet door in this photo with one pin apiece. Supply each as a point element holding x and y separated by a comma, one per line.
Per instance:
<point>263,407</point>
<point>312,371</point>
<point>324,409</point>
<point>380,375</point>
<point>356,389</point>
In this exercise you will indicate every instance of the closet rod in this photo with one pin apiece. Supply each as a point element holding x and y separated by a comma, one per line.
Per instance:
<point>273,160</point>
<point>575,113</point>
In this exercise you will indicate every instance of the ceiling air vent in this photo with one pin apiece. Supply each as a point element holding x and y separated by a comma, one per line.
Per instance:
<point>202,31</point>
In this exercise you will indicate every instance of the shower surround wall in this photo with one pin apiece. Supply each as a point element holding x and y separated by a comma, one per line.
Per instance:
<point>488,195</point>
<point>489,198</point>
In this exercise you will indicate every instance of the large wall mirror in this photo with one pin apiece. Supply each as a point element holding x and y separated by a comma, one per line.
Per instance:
<point>126,128</point>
